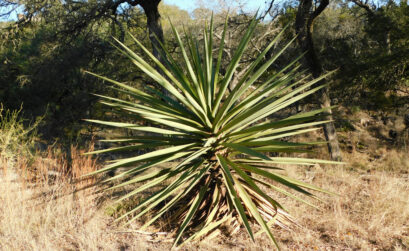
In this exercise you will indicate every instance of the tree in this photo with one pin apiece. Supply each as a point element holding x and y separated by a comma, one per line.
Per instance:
<point>44,75</point>
<point>384,65</point>
<point>368,44</point>
<point>154,26</point>
<point>304,26</point>
<point>305,13</point>
<point>42,52</point>
<point>74,17</point>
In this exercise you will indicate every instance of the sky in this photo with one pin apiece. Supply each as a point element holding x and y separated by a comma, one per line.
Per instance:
<point>189,5</point>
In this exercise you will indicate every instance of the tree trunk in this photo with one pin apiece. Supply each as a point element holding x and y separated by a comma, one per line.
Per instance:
<point>155,30</point>
<point>304,27</point>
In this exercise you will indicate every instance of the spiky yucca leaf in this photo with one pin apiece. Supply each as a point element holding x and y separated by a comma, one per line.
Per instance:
<point>219,138</point>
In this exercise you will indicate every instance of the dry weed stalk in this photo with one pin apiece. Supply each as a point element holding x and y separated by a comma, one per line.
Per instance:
<point>81,165</point>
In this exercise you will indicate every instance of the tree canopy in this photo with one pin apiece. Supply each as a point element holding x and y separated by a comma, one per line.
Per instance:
<point>43,52</point>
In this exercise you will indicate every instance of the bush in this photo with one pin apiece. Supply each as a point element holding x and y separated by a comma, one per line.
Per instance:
<point>220,138</point>
<point>15,138</point>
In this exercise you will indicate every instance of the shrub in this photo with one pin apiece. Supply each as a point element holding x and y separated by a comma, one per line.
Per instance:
<point>15,137</point>
<point>219,138</point>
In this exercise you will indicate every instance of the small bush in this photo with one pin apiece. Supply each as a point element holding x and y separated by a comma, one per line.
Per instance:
<point>15,138</point>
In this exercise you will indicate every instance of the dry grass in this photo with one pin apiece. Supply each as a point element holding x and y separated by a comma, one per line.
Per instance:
<point>42,209</point>
<point>33,219</point>
<point>372,211</point>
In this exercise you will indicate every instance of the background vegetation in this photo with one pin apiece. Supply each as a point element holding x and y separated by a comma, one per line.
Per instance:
<point>45,95</point>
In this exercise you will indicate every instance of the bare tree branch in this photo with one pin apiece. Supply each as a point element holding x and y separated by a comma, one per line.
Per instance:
<point>369,9</point>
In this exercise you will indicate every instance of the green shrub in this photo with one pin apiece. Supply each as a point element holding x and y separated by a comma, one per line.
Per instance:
<point>219,138</point>
<point>15,138</point>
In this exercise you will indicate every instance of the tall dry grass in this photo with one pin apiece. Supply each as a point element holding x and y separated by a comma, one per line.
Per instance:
<point>371,212</point>
<point>41,210</point>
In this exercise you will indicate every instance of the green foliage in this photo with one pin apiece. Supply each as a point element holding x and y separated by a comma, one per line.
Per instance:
<point>41,62</point>
<point>15,136</point>
<point>44,75</point>
<point>369,47</point>
<point>179,17</point>
<point>220,138</point>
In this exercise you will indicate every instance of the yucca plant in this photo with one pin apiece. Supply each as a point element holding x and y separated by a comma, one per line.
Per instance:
<point>218,140</point>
